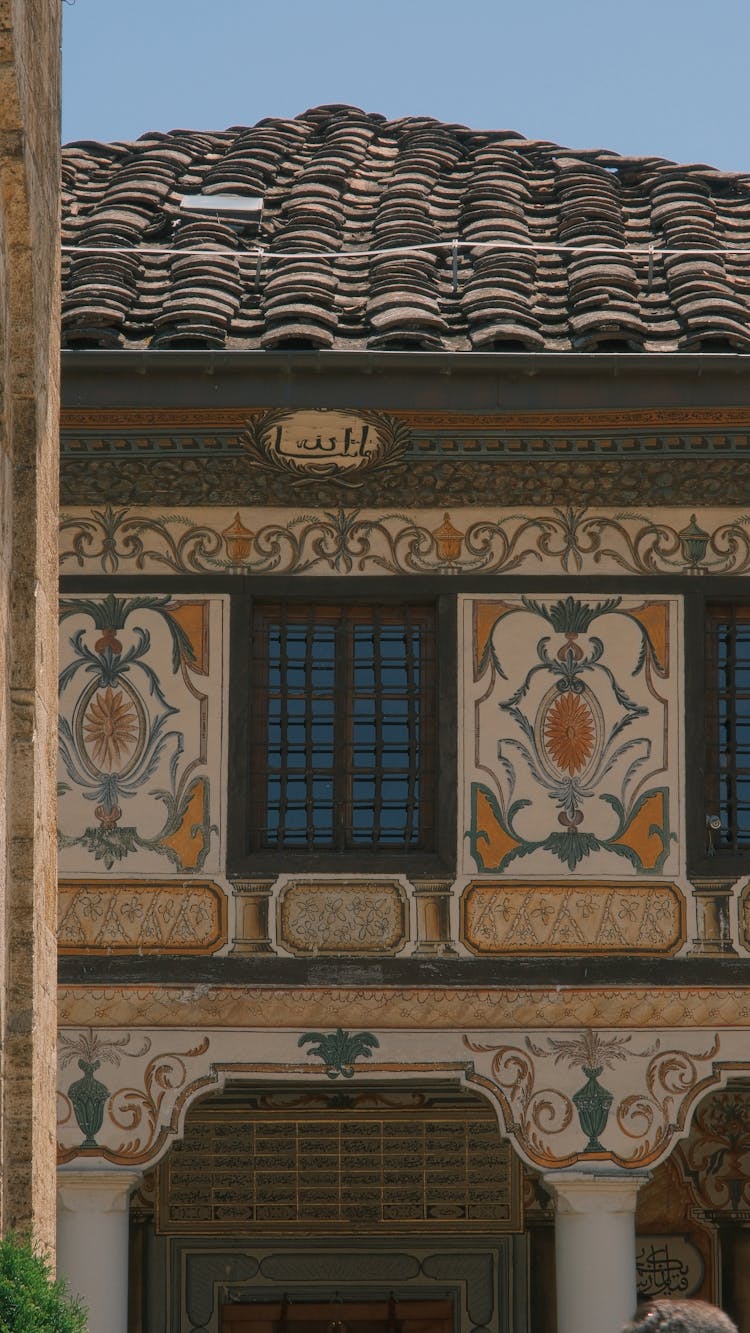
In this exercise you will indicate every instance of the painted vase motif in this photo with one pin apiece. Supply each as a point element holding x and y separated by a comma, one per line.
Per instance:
<point>592,1103</point>
<point>88,1097</point>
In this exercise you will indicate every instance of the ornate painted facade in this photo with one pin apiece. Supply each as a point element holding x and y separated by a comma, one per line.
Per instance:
<point>309,1058</point>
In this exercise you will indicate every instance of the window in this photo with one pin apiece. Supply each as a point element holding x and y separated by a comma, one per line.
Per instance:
<point>339,752</point>
<point>727,769</point>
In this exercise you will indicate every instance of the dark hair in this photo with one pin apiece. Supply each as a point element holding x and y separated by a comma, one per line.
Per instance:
<point>680,1317</point>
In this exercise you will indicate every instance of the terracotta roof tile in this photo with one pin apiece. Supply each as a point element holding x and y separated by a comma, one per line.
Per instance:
<point>337,183</point>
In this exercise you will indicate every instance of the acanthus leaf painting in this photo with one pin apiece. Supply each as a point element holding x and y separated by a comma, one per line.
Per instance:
<point>140,733</point>
<point>571,762</point>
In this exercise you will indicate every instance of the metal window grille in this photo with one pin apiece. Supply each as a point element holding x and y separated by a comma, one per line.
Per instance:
<point>343,745</point>
<point>728,724</point>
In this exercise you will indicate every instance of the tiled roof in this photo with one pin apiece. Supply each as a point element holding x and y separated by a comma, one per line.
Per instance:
<point>338,183</point>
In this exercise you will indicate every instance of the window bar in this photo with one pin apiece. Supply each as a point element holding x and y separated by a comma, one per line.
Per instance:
<point>259,706</point>
<point>342,687</point>
<point>378,707</point>
<point>310,635</point>
<point>731,690</point>
<point>283,725</point>
<point>427,721</point>
<point>741,718</point>
<point>721,756</point>
<point>413,634</point>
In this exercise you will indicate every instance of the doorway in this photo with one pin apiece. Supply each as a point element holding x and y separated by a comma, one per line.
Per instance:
<point>391,1316</point>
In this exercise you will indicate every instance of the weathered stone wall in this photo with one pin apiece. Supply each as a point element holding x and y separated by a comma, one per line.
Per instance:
<point>29,402</point>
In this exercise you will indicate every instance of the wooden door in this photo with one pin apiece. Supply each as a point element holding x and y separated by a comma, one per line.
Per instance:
<point>340,1317</point>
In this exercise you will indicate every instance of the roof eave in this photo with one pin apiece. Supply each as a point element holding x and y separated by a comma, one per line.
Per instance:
<point>403,380</point>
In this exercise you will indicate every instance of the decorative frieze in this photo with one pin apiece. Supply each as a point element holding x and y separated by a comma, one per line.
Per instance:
<point>514,917</point>
<point>432,1008</point>
<point>565,1097</point>
<point>624,459</point>
<point>481,539</point>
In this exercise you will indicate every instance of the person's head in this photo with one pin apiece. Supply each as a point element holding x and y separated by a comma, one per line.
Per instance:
<point>680,1317</point>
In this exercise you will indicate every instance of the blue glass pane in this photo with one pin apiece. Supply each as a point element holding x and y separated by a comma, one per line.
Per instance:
<point>342,741</point>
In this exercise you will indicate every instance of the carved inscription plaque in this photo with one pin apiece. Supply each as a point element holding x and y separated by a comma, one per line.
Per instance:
<point>324,444</point>
<point>248,1173</point>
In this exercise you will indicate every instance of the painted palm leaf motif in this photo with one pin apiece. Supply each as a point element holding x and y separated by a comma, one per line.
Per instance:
<point>340,1050</point>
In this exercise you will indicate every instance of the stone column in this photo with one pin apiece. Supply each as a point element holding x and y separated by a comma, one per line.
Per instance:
<point>594,1248</point>
<point>92,1242</point>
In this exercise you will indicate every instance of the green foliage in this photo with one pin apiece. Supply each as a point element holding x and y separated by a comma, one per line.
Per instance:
<point>31,1301</point>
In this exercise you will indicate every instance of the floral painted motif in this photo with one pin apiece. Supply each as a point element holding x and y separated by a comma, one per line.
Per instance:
<point>569,732</point>
<point>140,917</point>
<point>716,1155</point>
<point>133,730</point>
<point>572,731</point>
<point>367,541</point>
<point>502,916</point>
<point>336,917</point>
<point>111,728</point>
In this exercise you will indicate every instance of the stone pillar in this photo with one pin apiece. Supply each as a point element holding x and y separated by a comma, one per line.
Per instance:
<point>92,1242</point>
<point>594,1248</point>
<point>29,450</point>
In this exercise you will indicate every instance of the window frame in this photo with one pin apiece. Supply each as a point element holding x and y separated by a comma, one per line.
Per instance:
<point>245,861</point>
<point>723,863</point>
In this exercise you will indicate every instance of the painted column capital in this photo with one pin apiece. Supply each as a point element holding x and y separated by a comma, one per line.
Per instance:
<point>577,1192</point>
<point>95,1191</point>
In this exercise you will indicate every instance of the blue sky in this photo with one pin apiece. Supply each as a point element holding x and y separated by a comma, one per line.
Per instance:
<point>661,77</point>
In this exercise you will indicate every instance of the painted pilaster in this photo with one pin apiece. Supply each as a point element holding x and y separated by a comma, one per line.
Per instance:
<point>92,1242</point>
<point>594,1248</point>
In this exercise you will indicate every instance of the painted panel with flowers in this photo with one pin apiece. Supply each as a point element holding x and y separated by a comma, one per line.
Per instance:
<point>141,733</point>
<point>571,737</point>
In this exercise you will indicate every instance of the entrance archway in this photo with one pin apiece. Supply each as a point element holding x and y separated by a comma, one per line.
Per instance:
<point>298,1206</point>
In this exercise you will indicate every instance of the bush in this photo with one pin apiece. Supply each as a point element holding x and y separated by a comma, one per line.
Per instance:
<point>31,1301</point>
